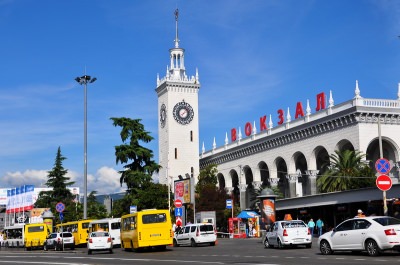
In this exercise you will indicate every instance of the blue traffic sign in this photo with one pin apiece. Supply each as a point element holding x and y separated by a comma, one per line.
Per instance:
<point>382,165</point>
<point>229,204</point>
<point>60,207</point>
<point>178,211</point>
<point>61,216</point>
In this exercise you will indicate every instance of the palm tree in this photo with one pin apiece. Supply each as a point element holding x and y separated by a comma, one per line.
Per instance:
<point>346,171</point>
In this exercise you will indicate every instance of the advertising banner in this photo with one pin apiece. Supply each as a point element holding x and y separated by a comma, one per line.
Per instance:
<point>182,190</point>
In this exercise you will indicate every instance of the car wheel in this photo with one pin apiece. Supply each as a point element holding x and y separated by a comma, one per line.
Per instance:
<point>325,248</point>
<point>175,243</point>
<point>193,243</point>
<point>308,245</point>
<point>212,243</point>
<point>372,248</point>
<point>89,252</point>
<point>266,244</point>
<point>280,245</point>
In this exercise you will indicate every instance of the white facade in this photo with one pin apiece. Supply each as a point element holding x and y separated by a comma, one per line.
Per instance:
<point>178,126</point>
<point>291,155</point>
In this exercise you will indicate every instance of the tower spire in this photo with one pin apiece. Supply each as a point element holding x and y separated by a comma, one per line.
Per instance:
<point>176,28</point>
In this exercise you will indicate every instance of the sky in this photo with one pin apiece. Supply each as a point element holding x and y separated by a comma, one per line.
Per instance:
<point>253,58</point>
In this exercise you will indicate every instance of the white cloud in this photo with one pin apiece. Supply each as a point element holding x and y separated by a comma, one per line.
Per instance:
<point>28,177</point>
<point>105,181</point>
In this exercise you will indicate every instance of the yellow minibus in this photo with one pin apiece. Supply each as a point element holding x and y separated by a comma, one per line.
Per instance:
<point>147,228</point>
<point>35,235</point>
<point>79,230</point>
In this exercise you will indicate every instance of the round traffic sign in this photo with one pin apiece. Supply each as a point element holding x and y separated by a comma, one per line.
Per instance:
<point>60,207</point>
<point>178,203</point>
<point>384,182</point>
<point>382,165</point>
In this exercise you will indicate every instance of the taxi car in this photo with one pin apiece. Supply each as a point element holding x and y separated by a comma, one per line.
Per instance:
<point>99,241</point>
<point>373,234</point>
<point>287,233</point>
<point>194,234</point>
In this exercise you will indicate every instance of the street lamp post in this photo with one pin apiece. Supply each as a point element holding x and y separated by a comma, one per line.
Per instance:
<point>84,80</point>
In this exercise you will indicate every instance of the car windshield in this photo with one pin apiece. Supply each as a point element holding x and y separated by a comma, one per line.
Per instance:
<point>206,228</point>
<point>387,221</point>
<point>99,234</point>
<point>293,224</point>
<point>66,235</point>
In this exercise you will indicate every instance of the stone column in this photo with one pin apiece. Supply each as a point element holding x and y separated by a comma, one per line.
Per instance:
<point>312,176</point>
<point>256,184</point>
<point>292,184</point>
<point>229,190</point>
<point>242,188</point>
<point>273,182</point>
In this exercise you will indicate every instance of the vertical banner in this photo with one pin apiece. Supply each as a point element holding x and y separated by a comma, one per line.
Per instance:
<point>182,190</point>
<point>23,194</point>
<point>29,191</point>
<point>17,206</point>
<point>267,209</point>
<point>13,200</point>
<point>8,207</point>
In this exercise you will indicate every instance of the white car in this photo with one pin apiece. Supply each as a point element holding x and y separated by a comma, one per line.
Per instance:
<point>99,240</point>
<point>59,241</point>
<point>194,234</point>
<point>373,234</point>
<point>287,233</point>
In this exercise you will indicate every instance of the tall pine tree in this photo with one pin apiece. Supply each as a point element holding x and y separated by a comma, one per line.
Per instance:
<point>59,192</point>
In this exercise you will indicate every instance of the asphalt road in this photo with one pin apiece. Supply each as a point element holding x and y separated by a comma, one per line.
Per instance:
<point>227,251</point>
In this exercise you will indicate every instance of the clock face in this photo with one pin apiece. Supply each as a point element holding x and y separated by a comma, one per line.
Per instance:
<point>163,115</point>
<point>183,113</point>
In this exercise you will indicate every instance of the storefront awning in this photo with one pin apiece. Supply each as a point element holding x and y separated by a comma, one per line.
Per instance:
<point>247,214</point>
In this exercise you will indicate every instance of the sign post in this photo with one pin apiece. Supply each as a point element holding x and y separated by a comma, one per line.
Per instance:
<point>60,207</point>
<point>178,203</point>
<point>383,182</point>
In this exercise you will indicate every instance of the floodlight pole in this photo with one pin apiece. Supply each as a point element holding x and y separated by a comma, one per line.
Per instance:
<point>84,80</point>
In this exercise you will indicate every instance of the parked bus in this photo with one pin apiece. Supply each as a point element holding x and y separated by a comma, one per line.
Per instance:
<point>147,228</point>
<point>35,235</point>
<point>78,228</point>
<point>14,235</point>
<point>26,235</point>
<point>111,225</point>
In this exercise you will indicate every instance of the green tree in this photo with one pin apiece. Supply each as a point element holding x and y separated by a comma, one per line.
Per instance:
<point>138,169</point>
<point>209,197</point>
<point>346,171</point>
<point>59,192</point>
<point>207,177</point>
<point>95,209</point>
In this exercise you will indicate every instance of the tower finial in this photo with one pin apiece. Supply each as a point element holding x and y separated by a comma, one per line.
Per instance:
<point>176,28</point>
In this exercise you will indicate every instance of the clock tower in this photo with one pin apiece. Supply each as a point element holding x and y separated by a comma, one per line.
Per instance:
<point>178,118</point>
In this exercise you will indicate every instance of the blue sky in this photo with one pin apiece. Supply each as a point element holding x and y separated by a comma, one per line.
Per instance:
<point>253,57</point>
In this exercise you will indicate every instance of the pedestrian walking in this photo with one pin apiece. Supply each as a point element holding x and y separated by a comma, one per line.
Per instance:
<point>320,225</point>
<point>311,226</point>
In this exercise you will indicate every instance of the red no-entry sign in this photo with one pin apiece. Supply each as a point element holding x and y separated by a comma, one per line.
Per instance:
<point>384,182</point>
<point>178,203</point>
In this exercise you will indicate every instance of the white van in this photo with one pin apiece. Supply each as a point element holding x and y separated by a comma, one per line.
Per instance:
<point>193,234</point>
